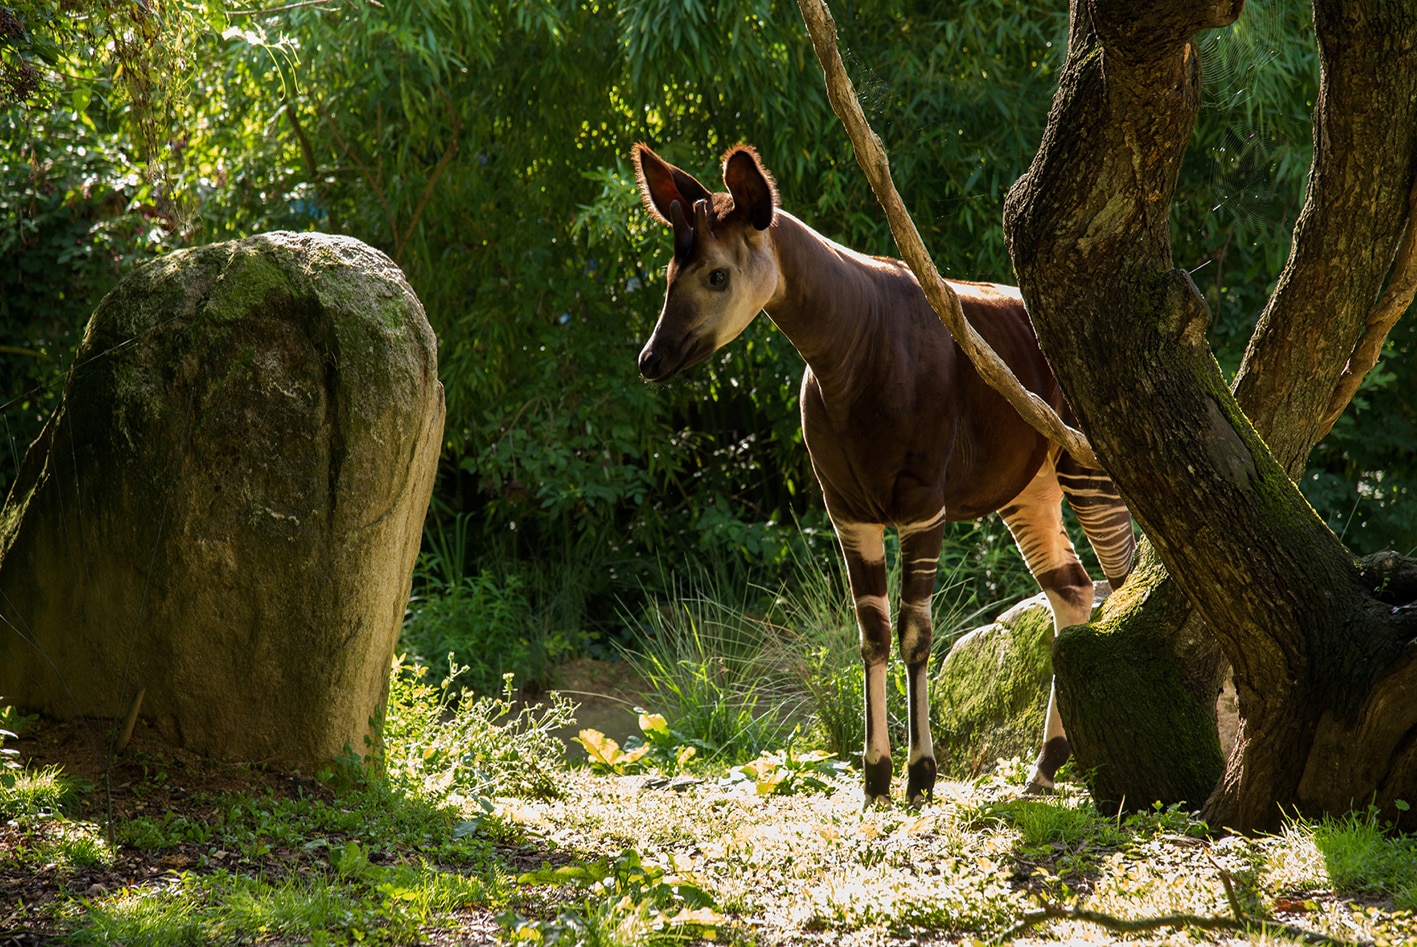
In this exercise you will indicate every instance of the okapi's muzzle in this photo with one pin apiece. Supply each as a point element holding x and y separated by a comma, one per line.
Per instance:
<point>660,361</point>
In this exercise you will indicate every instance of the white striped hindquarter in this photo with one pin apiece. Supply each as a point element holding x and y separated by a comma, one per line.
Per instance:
<point>1035,518</point>
<point>1103,517</point>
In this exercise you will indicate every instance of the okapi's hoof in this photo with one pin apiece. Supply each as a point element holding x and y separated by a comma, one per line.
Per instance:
<point>920,788</point>
<point>1052,757</point>
<point>878,781</point>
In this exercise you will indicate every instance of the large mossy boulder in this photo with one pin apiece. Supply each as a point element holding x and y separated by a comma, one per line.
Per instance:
<point>990,695</point>
<point>224,512</point>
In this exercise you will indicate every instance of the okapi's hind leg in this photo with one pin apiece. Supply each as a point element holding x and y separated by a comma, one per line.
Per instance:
<point>1103,517</point>
<point>863,547</point>
<point>1035,518</point>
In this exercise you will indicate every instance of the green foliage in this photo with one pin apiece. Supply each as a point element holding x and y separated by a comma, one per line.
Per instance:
<point>785,773</point>
<point>626,901</point>
<point>364,903</point>
<point>483,145</point>
<point>1363,858</point>
<point>31,792</point>
<point>1048,824</point>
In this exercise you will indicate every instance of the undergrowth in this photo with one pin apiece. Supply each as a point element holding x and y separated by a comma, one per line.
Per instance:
<point>734,814</point>
<point>471,824</point>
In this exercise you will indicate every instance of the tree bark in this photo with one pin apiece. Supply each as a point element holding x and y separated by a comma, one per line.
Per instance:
<point>1348,233</point>
<point>1325,668</point>
<point>1133,657</point>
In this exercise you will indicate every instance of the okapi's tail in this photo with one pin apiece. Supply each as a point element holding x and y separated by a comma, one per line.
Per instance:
<point>1104,517</point>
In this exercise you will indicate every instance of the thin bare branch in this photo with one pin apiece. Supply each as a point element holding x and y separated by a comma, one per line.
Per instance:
<point>871,155</point>
<point>324,4</point>
<point>20,350</point>
<point>369,177</point>
<point>1395,300</point>
<point>307,152</point>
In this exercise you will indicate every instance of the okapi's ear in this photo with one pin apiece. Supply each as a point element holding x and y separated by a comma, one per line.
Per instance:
<point>661,184</point>
<point>752,187</point>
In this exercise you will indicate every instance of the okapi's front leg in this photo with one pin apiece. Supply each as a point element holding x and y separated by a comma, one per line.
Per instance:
<point>863,547</point>
<point>919,557</point>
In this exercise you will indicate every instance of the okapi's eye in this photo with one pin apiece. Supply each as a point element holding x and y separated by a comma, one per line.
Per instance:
<point>718,279</point>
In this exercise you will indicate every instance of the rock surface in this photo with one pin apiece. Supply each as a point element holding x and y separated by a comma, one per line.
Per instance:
<point>224,512</point>
<point>991,692</point>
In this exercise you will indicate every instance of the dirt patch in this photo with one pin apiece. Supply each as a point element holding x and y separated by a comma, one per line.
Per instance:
<point>608,693</point>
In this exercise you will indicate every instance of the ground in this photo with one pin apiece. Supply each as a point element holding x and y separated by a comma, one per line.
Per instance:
<point>630,856</point>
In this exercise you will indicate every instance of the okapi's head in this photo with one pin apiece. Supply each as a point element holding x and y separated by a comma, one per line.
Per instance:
<point>724,269</point>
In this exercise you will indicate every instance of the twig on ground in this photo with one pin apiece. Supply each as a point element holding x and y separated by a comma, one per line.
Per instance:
<point>1050,912</point>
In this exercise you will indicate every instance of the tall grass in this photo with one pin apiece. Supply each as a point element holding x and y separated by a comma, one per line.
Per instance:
<point>739,667</point>
<point>1362,857</point>
<point>707,655</point>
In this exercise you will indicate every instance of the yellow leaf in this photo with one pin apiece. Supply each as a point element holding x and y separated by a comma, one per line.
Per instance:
<point>599,747</point>
<point>704,917</point>
<point>768,784</point>
<point>654,723</point>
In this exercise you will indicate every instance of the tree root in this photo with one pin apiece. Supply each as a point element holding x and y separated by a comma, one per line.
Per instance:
<point>1124,926</point>
<point>1240,922</point>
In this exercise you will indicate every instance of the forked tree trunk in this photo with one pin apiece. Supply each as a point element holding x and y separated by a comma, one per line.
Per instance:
<point>1322,645</point>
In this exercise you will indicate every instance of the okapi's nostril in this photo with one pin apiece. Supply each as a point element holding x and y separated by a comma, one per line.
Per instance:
<point>649,363</point>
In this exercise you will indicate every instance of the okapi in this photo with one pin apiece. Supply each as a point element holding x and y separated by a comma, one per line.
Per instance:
<point>900,428</point>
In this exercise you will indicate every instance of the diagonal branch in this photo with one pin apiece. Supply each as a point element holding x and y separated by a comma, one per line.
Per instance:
<point>1395,300</point>
<point>871,155</point>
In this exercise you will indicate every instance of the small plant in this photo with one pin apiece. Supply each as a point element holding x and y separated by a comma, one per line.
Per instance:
<point>1051,823</point>
<point>666,748</point>
<point>27,792</point>
<point>625,901</point>
<point>605,754</point>
<point>784,773</point>
<point>440,743</point>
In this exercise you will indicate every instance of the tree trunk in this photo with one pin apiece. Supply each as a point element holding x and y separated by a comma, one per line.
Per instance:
<point>1133,658</point>
<point>1325,665</point>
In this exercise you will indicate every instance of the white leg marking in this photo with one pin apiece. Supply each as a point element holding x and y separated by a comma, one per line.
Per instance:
<point>1053,726</point>
<point>878,746</point>
<point>920,712</point>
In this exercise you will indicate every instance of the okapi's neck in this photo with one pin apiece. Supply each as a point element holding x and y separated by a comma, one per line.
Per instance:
<point>828,301</point>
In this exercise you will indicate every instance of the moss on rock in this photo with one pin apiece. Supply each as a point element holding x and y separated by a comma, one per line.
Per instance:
<point>990,694</point>
<point>1139,700</point>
